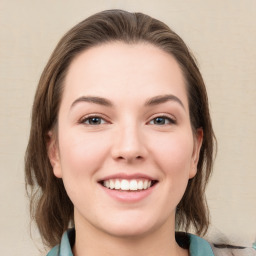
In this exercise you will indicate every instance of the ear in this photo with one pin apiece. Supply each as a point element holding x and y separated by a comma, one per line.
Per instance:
<point>198,140</point>
<point>53,154</point>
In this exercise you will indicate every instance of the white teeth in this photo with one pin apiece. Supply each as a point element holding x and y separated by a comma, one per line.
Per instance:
<point>106,183</point>
<point>111,184</point>
<point>140,184</point>
<point>145,184</point>
<point>117,184</point>
<point>133,185</point>
<point>127,184</point>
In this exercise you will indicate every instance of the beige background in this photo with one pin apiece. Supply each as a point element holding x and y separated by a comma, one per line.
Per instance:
<point>222,35</point>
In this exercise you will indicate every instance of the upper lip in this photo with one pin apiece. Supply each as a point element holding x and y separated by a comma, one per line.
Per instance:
<point>127,176</point>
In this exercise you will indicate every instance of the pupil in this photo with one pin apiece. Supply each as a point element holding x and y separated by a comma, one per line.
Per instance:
<point>95,120</point>
<point>159,120</point>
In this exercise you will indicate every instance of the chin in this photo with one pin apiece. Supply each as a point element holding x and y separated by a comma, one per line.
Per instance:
<point>130,226</point>
<point>128,231</point>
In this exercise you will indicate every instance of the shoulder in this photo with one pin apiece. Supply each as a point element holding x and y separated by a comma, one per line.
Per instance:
<point>201,247</point>
<point>233,251</point>
<point>196,245</point>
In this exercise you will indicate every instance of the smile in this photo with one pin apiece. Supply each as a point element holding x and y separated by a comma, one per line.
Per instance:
<point>128,185</point>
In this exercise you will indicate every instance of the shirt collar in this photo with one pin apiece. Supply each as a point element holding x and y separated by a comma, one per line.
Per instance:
<point>198,246</point>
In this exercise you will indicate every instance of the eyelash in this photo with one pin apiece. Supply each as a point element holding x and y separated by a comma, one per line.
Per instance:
<point>170,120</point>
<point>86,119</point>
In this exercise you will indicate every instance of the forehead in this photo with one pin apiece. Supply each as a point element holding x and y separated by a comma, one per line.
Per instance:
<point>118,69</point>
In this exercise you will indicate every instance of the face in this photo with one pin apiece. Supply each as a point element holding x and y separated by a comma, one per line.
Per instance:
<point>125,147</point>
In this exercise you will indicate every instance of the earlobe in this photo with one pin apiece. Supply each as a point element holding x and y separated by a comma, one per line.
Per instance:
<point>53,154</point>
<point>198,140</point>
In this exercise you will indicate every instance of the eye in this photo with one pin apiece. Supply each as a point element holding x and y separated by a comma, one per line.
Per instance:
<point>93,120</point>
<point>162,120</point>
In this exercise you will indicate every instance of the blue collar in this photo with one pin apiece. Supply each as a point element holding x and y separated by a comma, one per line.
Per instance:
<point>198,246</point>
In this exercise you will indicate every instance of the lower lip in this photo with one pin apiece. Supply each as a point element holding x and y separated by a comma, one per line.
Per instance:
<point>128,196</point>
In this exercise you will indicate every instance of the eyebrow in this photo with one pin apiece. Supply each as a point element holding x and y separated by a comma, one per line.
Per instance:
<point>150,102</point>
<point>162,99</point>
<point>93,99</point>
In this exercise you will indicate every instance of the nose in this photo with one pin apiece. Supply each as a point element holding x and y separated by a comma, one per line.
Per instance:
<point>129,144</point>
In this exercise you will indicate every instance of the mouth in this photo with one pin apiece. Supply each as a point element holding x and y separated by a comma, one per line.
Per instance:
<point>128,185</point>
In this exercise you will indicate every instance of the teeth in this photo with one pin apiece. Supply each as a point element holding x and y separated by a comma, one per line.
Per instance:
<point>127,184</point>
<point>145,184</point>
<point>106,184</point>
<point>117,184</point>
<point>140,184</point>
<point>111,184</point>
<point>133,185</point>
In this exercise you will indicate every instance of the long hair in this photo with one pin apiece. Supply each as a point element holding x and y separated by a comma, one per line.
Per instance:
<point>50,205</point>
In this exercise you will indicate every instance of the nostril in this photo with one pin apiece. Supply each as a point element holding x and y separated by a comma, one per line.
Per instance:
<point>120,158</point>
<point>128,157</point>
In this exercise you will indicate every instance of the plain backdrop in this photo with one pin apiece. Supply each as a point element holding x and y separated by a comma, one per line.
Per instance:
<point>222,36</point>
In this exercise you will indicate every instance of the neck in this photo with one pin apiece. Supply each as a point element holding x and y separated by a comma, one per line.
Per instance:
<point>91,241</point>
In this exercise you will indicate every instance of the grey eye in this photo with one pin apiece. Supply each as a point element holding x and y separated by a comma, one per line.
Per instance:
<point>162,120</point>
<point>95,120</point>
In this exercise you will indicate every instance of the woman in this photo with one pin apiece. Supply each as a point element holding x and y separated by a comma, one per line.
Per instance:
<point>121,143</point>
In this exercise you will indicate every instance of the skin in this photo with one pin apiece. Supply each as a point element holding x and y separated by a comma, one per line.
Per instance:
<point>126,138</point>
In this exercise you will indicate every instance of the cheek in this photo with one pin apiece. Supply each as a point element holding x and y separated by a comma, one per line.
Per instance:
<point>81,157</point>
<point>81,154</point>
<point>173,156</point>
<point>175,160</point>
<point>175,153</point>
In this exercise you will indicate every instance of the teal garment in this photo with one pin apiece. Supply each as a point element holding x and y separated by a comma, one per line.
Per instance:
<point>198,246</point>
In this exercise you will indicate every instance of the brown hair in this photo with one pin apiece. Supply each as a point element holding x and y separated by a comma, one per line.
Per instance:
<point>50,206</point>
